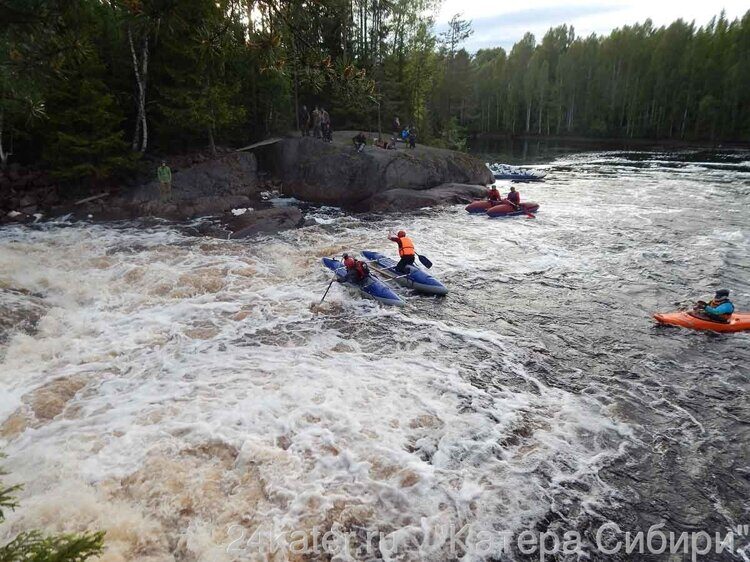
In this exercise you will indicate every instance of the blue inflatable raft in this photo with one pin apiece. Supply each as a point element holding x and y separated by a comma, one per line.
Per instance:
<point>417,279</point>
<point>513,173</point>
<point>372,287</point>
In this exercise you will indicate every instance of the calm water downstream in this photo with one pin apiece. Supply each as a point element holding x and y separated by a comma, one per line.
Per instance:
<point>179,393</point>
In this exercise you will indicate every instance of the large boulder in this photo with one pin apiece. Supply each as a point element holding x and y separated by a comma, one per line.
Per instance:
<point>334,173</point>
<point>118,208</point>
<point>20,311</point>
<point>235,173</point>
<point>408,199</point>
<point>195,207</point>
<point>264,220</point>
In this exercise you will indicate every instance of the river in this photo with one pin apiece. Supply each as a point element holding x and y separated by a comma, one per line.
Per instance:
<point>179,392</point>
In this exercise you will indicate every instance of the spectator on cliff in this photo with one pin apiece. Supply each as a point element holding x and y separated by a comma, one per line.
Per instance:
<point>412,138</point>
<point>164,174</point>
<point>359,140</point>
<point>396,127</point>
<point>325,123</point>
<point>304,121</point>
<point>316,117</point>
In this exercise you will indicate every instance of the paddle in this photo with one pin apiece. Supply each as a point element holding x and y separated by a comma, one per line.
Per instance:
<point>520,208</point>
<point>326,293</point>
<point>386,278</point>
<point>425,262</point>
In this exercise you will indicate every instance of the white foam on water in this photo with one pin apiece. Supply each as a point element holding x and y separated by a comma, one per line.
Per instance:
<point>180,387</point>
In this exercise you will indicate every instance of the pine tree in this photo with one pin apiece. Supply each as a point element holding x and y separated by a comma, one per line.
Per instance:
<point>85,138</point>
<point>201,95</point>
<point>33,546</point>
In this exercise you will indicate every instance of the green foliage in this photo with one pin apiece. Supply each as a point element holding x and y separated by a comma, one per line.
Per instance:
<point>85,139</point>
<point>7,499</point>
<point>453,136</point>
<point>80,77</point>
<point>35,547</point>
<point>85,136</point>
<point>202,89</point>
<point>669,82</point>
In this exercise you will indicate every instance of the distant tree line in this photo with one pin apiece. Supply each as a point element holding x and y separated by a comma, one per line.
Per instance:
<point>675,82</point>
<point>87,87</point>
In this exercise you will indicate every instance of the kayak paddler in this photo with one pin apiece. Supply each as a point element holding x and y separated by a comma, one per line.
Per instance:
<point>719,309</point>
<point>356,271</point>
<point>405,250</point>
<point>493,195</point>
<point>514,198</point>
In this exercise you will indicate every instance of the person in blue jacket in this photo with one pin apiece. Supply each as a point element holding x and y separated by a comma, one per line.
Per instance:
<point>720,309</point>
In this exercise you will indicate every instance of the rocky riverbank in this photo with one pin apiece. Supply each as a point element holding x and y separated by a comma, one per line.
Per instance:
<point>335,174</point>
<point>374,180</point>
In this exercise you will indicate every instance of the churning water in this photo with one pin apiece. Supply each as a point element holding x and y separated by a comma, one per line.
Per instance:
<point>179,393</point>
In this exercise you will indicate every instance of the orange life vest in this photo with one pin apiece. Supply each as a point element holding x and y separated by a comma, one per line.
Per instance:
<point>405,247</point>
<point>362,269</point>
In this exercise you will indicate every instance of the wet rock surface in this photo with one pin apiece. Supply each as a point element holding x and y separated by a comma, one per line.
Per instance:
<point>263,221</point>
<point>235,173</point>
<point>335,174</point>
<point>20,311</point>
<point>407,199</point>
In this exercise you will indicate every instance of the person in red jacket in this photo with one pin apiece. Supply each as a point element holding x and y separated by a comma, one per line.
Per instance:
<point>514,197</point>
<point>405,250</point>
<point>356,271</point>
<point>493,196</point>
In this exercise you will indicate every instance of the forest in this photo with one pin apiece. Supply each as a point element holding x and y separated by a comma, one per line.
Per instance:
<point>88,87</point>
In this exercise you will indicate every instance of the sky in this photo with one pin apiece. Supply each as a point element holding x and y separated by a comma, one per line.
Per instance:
<point>499,23</point>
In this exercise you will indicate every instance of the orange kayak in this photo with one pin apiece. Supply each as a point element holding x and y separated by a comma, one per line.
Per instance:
<point>739,322</point>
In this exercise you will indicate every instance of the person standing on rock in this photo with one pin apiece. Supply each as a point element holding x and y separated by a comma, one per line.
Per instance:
<point>325,123</point>
<point>304,121</point>
<point>396,127</point>
<point>359,140</point>
<point>164,174</point>
<point>316,122</point>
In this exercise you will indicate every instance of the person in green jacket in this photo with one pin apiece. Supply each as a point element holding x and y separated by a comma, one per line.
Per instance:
<point>164,173</point>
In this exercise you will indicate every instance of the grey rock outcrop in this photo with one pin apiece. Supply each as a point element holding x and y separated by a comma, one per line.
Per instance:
<point>408,199</point>
<point>20,311</point>
<point>335,174</point>
<point>235,173</point>
<point>264,220</point>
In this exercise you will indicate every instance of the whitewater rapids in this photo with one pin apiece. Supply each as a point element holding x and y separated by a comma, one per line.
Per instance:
<point>178,392</point>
